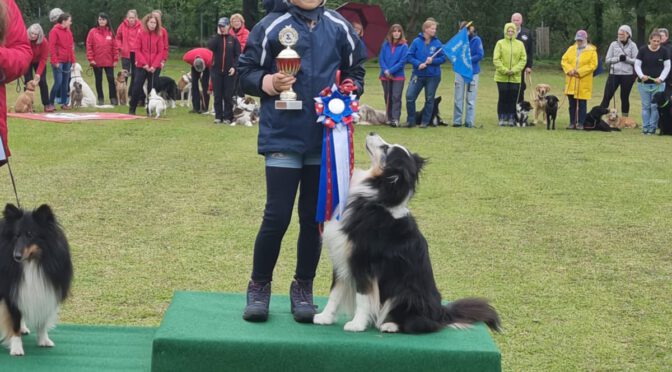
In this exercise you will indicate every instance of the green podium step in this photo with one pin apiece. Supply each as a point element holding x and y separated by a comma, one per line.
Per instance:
<point>206,332</point>
<point>86,349</point>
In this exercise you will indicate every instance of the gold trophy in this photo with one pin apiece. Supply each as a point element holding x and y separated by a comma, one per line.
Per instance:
<point>288,62</point>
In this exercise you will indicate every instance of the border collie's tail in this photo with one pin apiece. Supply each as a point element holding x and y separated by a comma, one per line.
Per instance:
<point>471,310</point>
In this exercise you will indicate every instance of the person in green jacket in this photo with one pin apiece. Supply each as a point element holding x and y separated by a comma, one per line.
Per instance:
<point>509,60</point>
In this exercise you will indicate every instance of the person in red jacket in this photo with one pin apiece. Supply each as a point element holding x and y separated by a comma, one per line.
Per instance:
<point>15,56</point>
<point>101,51</point>
<point>62,49</point>
<point>40,48</point>
<point>241,33</point>
<point>127,33</point>
<point>200,60</point>
<point>148,58</point>
<point>164,34</point>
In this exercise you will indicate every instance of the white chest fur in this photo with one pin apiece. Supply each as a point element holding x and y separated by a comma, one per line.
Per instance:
<point>37,299</point>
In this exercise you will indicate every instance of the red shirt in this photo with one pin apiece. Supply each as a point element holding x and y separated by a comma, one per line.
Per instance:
<point>15,55</point>
<point>40,54</point>
<point>101,47</point>
<point>126,37</point>
<point>204,53</point>
<point>149,49</point>
<point>241,35</point>
<point>61,45</point>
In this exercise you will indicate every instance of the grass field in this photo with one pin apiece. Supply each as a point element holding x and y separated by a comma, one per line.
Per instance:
<point>567,232</point>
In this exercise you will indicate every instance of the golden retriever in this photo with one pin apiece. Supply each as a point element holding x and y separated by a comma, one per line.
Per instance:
<point>539,103</point>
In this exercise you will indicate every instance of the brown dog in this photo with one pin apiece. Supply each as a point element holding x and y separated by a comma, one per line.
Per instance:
<point>24,102</point>
<point>539,103</point>
<point>616,121</point>
<point>122,87</point>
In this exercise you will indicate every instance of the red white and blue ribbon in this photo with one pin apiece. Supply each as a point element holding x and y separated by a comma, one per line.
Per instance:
<point>337,108</point>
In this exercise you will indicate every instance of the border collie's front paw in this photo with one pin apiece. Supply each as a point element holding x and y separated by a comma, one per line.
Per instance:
<point>323,318</point>
<point>353,326</point>
<point>389,327</point>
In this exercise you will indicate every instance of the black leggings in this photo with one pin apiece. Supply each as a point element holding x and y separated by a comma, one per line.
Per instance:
<point>506,104</point>
<point>281,187</point>
<point>109,72</point>
<point>613,82</point>
<point>136,90</point>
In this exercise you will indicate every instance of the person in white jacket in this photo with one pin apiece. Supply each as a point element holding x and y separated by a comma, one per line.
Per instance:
<point>620,59</point>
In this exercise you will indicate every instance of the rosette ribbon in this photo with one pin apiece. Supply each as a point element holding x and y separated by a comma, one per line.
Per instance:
<point>337,108</point>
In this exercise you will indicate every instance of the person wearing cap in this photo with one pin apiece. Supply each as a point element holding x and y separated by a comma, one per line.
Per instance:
<point>509,59</point>
<point>621,58</point>
<point>200,60</point>
<point>652,67</point>
<point>462,88</point>
<point>579,62</point>
<point>291,140</point>
<point>225,50</point>
<point>665,44</point>
<point>523,34</point>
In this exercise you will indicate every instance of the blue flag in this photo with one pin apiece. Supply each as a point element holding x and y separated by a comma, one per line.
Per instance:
<point>458,51</point>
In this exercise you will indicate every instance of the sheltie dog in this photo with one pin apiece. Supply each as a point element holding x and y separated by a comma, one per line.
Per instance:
<point>381,262</point>
<point>35,274</point>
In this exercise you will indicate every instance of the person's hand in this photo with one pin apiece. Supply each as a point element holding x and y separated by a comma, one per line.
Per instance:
<point>163,64</point>
<point>58,65</point>
<point>510,72</point>
<point>387,74</point>
<point>646,77</point>
<point>657,80</point>
<point>282,81</point>
<point>92,63</point>
<point>422,66</point>
<point>152,69</point>
<point>621,58</point>
<point>232,71</point>
<point>429,60</point>
<point>36,78</point>
<point>528,70</point>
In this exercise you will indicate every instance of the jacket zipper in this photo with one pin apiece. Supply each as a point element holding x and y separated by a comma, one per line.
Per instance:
<point>510,56</point>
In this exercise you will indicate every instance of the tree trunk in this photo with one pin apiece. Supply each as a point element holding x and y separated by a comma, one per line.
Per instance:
<point>641,29</point>
<point>251,13</point>
<point>598,7</point>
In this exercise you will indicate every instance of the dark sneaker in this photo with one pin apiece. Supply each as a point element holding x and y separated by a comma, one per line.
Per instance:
<point>301,297</point>
<point>131,111</point>
<point>258,299</point>
<point>114,102</point>
<point>101,101</point>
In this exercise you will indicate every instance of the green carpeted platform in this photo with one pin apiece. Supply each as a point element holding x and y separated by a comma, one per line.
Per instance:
<point>86,349</point>
<point>206,332</point>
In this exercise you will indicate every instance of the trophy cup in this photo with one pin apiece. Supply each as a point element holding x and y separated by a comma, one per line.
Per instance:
<point>288,62</point>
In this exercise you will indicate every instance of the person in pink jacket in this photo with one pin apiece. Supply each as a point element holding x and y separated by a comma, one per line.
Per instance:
<point>149,54</point>
<point>62,49</point>
<point>241,33</point>
<point>40,48</point>
<point>164,34</point>
<point>102,53</point>
<point>15,58</point>
<point>127,33</point>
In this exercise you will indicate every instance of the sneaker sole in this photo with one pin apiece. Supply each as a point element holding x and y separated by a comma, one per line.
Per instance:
<point>257,318</point>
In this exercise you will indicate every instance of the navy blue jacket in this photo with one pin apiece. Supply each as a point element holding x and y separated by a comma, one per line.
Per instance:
<point>330,46</point>
<point>418,53</point>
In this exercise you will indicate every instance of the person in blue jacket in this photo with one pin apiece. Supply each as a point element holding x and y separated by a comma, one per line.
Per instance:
<point>463,89</point>
<point>392,59</point>
<point>291,140</point>
<point>426,56</point>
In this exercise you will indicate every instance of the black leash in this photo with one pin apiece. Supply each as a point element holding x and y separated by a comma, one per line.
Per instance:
<point>11,175</point>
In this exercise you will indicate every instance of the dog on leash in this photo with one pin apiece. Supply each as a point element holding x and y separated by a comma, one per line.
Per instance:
<point>382,269</point>
<point>122,87</point>
<point>76,95</point>
<point>167,88</point>
<point>156,105</point>
<point>184,87</point>
<point>370,116</point>
<point>594,120</point>
<point>541,91</point>
<point>244,112</point>
<point>35,274</point>
<point>664,104</point>
<point>616,121</point>
<point>551,111</point>
<point>24,102</point>
<point>88,98</point>
<point>523,110</point>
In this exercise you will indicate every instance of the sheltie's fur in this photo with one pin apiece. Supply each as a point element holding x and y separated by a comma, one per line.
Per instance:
<point>381,262</point>
<point>35,274</point>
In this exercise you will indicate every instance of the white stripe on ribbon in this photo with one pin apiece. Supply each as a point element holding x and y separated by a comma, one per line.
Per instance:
<point>270,28</point>
<point>342,155</point>
<point>347,31</point>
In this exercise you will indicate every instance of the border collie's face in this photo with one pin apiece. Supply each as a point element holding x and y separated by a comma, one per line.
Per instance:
<point>395,170</point>
<point>27,231</point>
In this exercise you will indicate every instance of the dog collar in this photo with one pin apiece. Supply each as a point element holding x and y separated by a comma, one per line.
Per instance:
<point>667,102</point>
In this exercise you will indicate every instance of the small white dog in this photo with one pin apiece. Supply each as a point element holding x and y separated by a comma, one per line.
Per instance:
<point>156,105</point>
<point>88,97</point>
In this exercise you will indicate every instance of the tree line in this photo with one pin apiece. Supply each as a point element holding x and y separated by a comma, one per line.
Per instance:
<point>190,22</point>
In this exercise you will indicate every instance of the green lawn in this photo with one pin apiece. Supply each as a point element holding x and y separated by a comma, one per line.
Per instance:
<point>567,232</point>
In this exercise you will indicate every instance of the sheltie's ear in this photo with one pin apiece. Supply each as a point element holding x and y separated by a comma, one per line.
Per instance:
<point>12,213</point>
<point>43,214</point>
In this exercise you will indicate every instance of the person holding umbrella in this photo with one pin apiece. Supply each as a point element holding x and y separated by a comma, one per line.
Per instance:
<point>392,59</point>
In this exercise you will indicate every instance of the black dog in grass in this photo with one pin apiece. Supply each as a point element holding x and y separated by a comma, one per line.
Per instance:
<point>594,120</point>
<point>435,120</point>
<point>551,111</point>
<point>664,103</point>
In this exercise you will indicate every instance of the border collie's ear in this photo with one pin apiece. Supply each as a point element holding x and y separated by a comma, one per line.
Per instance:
<point>419,162</point>
<point>44,214</point>
<point>11,212</point>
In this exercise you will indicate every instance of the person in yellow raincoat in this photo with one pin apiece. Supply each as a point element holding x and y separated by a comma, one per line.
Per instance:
<point>579,62</point>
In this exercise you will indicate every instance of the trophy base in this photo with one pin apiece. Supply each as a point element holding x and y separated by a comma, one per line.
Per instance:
<point>288,105</point>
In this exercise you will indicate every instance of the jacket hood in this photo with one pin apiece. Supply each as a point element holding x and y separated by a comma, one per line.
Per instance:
<point>507,26</point>
<point>136,25</point>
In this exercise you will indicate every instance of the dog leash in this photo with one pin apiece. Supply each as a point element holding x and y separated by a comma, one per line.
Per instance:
<point>11,175</point>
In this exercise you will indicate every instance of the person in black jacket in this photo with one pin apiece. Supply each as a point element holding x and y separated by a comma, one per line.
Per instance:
<point>665,44</point>
<point>525,36</point>
<point>225,50</point>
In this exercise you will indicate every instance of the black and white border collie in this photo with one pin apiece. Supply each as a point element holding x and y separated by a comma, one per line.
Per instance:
<point>382,271</point>
<point>35,274</point>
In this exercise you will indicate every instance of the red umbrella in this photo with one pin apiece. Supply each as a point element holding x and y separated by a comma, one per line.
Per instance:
<point>372,19</point>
